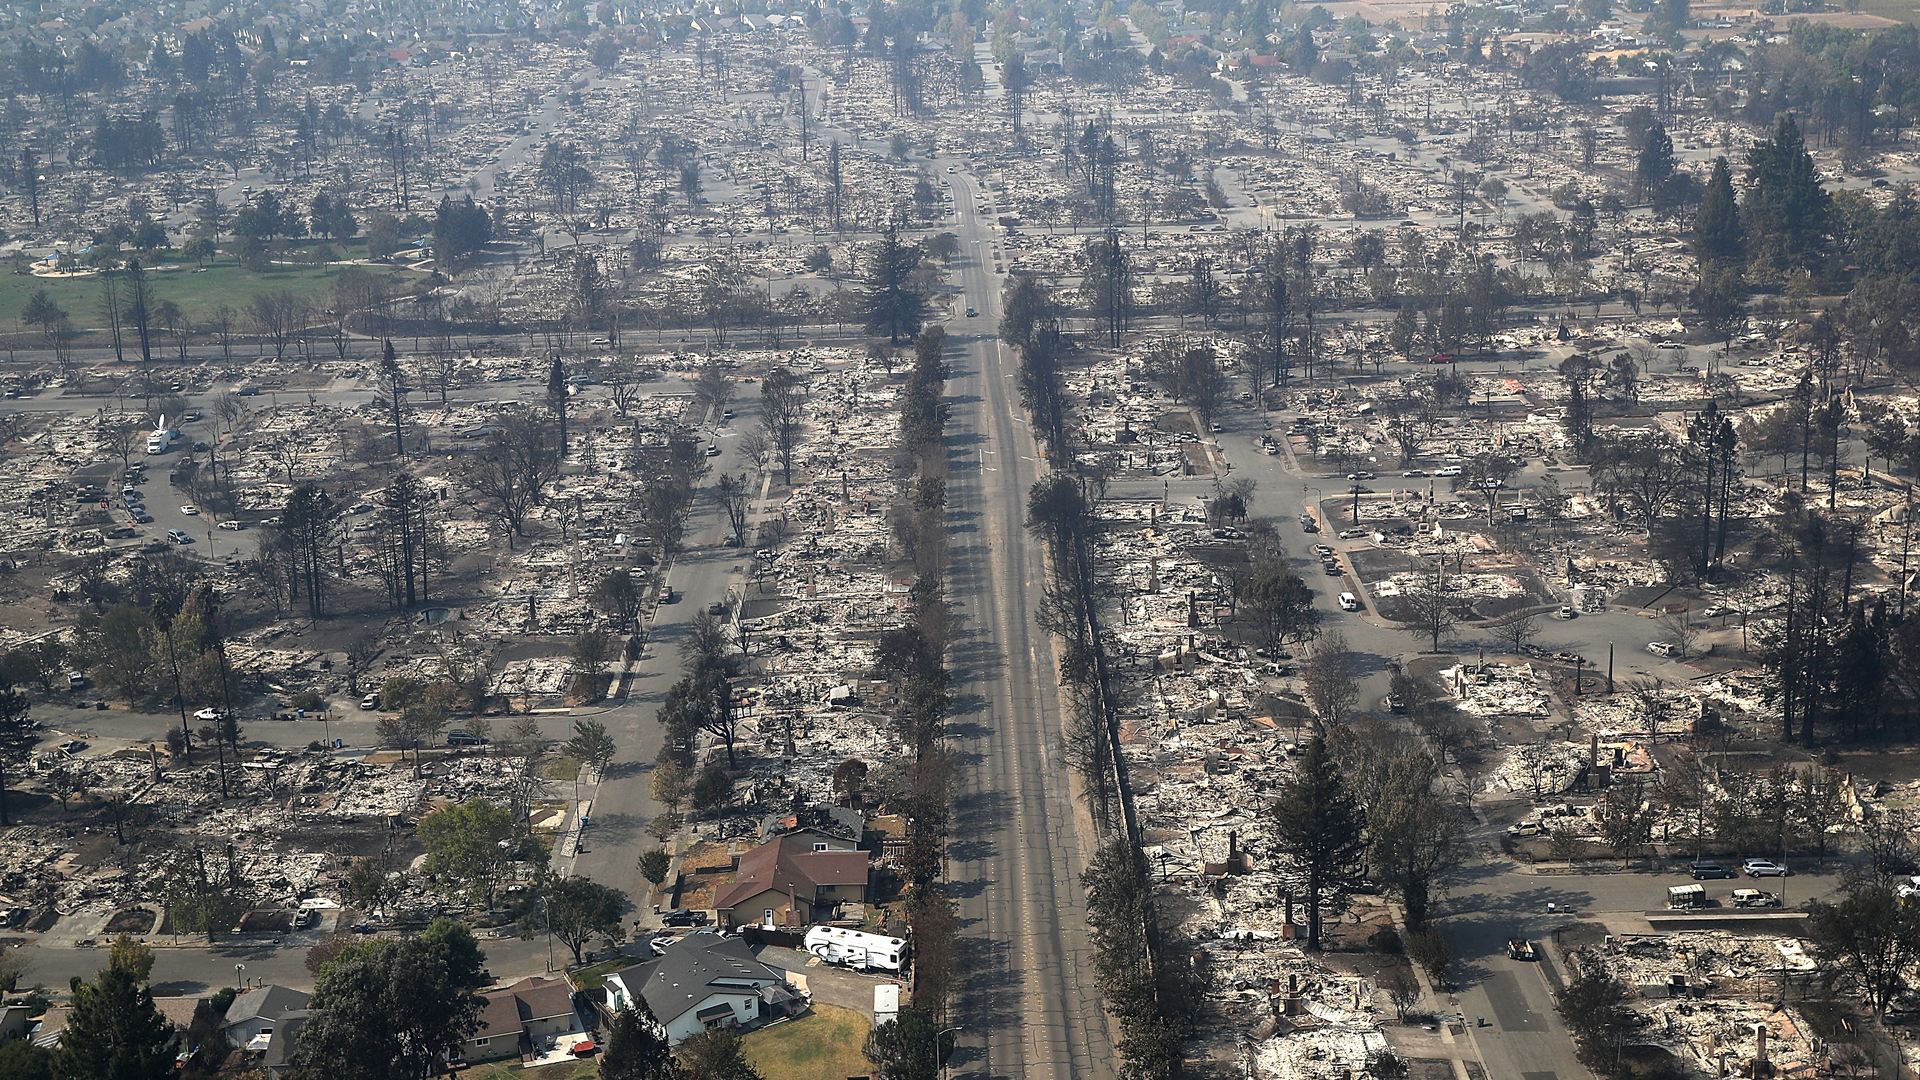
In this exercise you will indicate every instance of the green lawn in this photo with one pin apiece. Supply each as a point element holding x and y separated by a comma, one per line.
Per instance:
<point>591,978</point>
<point>823,1045</point>
<point>198,295</point>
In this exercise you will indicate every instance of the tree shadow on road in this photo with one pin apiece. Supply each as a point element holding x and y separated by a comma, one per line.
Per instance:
<point>991,995</point>
<point>624,770</point>
<point>614,825</point>
<point>968,729</point>
<point>967,704</point>
<point>966,890</point>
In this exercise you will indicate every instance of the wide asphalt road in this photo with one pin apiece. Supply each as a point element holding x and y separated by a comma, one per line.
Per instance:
<point>1031,1009</point>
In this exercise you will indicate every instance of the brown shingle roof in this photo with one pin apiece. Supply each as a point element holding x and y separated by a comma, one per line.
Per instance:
<point>532,998</point>
<point>780,865</point>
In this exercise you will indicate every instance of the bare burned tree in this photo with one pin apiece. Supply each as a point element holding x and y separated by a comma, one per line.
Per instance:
<point>1427,611</point>
<point>783,416</point>
<point>1329,679</point>
<point>393,386</point>
<point>753,445</point>
<point>436,370</point>
<point>276,316</point>
<point>1516,631</point>
<point>1649,696</point>
<point>619,595</point>
<point>670,475</point>
<point>405,510</point>
<point>221,325</point>
<point>712,390</point>
<point>139,307</point>
<point>618,376</point>
<point>309,533</point>
<point>507,477</point>
<point>361,651</point>
<point>1682,631</point>
<point>736,498</point>
<point>1486,474</point>
<point>122,436</point>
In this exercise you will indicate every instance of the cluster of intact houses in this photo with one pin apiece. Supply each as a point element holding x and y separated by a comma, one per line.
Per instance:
<point>807,866</point>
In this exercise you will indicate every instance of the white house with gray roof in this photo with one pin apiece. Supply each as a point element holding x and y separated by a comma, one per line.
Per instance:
<point>703,981</point>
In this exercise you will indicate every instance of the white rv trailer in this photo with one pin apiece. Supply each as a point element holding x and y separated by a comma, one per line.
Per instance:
<point>855,949</point>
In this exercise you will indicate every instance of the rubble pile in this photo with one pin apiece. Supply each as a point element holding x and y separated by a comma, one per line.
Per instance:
<point>1320,1052</point>
<point>1496,689</point>
<point>1541,768</point>
<point>1491,586</point>
<point>816,606</point>
<point>1707,994</point>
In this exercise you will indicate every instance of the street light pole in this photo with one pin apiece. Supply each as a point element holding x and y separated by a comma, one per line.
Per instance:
<point>946,1067</point>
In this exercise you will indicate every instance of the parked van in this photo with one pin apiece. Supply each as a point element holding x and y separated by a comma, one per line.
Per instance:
<point>1349,602</point>
<point>856,949</point>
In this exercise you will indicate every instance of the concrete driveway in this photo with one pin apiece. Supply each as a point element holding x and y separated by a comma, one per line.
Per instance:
<point>829,985</point>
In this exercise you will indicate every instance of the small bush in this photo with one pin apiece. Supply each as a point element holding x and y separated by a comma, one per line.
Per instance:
<point>654,864</point>
<point>712,790</point>
<point>588,688</point>
<point>1385,1065</point>
<point>1385,941</point>
<point>1432,948</point>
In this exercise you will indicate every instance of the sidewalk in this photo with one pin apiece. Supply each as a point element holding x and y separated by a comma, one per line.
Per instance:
<point>1453,1031</point>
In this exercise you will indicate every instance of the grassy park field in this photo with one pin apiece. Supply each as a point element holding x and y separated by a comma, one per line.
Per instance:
<point>199,295</point>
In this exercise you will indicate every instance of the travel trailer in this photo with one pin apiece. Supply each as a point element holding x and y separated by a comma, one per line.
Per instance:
<point>855,949</point>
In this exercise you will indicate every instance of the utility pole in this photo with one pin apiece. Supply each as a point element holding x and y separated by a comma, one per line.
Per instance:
<point>1906,539</point>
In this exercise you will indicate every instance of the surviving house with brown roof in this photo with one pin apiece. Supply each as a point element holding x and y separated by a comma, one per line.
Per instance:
<point>787,882</point>
<point>529,1018</point>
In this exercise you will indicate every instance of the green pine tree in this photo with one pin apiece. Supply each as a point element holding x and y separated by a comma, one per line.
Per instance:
<point>1322,830</point>
<point>895,305</point>
<point>1716,229</point>
<point>114,1032</point>
<point>1787,212</point>
<point>1655,163</point>
<point>637,1048</point>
